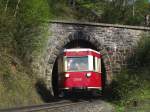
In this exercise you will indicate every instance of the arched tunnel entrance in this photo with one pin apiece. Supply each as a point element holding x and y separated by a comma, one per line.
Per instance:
<point>78,43</point>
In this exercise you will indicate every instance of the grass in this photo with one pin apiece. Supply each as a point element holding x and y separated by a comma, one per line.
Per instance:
<point>17,88</point>
<point>21,38</point>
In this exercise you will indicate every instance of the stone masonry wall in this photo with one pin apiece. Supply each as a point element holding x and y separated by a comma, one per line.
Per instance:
<point>115,42</point>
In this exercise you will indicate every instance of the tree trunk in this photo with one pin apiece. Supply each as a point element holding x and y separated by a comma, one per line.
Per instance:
<point>6,6</point>
<point>17,7</point>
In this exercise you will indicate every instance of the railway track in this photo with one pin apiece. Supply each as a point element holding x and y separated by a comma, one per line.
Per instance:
<point>47,106</point>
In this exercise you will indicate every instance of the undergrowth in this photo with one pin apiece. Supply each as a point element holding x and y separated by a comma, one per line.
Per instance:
<point>22,39</point>
<point>17,88</point>
<point>132,86</point>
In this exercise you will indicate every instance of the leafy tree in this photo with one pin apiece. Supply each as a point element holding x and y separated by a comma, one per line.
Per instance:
<point>126,12</point>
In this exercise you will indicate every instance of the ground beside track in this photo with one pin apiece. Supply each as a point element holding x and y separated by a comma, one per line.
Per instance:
<point>91,106</point>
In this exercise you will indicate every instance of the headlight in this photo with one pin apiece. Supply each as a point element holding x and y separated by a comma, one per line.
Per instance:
<point>67,75</point>
<point>88,75</point>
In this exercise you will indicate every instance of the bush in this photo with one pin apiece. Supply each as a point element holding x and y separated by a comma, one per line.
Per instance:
<point>133,84</point>
<point>17,87</point>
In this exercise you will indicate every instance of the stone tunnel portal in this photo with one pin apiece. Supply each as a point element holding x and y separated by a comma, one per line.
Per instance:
<point>73,44</point>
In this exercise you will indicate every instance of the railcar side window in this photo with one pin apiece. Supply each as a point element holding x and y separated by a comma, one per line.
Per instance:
<point>65,64</point>
<point>99,65</point>
<point>96,64</point>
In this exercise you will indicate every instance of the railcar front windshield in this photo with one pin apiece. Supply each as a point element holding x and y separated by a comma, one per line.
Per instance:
<point>77,63</point>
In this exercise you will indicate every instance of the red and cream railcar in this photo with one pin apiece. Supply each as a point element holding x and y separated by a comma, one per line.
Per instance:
<point>81,69</point>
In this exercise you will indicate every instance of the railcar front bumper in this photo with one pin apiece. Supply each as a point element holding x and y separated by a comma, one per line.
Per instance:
<point>81,88</point>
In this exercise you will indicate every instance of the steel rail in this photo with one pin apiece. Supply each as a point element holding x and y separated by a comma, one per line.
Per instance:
<point>47,106</point>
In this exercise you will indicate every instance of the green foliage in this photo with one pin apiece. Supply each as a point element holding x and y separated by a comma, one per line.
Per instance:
<point>25,34</point>
<point>22,36</point>
<point>32,11</point>
<point>7,28</point>
<point>17,87</point>
<point>143,52</point>
<point>122,12</point>
<point>133,84</point>
<point>60,9</point>
<point>118,11</point>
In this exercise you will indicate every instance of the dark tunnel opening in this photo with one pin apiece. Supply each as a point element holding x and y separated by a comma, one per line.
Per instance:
<point>73,44</point>
<point>80,44</point>
<point>55,78</point>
